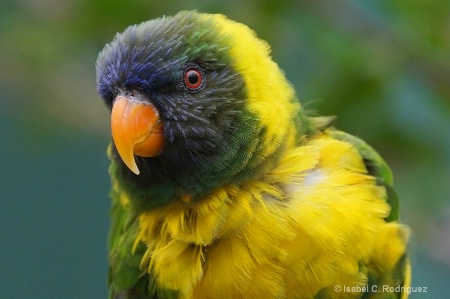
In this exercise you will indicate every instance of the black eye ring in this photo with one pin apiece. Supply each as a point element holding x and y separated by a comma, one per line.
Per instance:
<point>193,78</point>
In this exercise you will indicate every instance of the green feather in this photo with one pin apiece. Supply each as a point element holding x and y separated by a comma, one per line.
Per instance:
<point>126,279</point>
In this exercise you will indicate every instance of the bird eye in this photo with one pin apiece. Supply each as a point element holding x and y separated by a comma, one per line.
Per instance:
<point>193,78</point>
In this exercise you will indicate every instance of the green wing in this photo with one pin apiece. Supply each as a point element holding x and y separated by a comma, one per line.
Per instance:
<point>376,167</point>
<point>375,164</point>
<point>126,281</point>
<point>400,274</point>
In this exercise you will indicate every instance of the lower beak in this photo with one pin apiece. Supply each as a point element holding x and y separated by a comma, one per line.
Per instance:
<point>136,130</point>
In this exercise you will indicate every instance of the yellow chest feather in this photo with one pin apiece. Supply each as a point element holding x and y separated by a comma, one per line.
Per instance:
<point>313,222</point>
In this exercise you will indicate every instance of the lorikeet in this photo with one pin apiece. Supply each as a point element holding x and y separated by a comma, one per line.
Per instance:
<point>222,186</point>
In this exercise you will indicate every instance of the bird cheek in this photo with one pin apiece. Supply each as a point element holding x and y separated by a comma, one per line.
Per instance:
<point>136,130</point>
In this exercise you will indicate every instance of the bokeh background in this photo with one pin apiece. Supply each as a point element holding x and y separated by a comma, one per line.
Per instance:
<point>382,66</point>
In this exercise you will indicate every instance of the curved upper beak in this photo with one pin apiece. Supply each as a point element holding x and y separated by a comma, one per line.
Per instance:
<point>136,130</point>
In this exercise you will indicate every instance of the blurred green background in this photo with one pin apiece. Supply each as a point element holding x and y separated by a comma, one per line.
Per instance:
<point>382,66</point>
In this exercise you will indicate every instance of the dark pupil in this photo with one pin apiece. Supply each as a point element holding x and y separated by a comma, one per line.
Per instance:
<point>193,78</point>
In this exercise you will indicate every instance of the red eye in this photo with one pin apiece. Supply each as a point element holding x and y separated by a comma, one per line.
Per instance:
<point>193,78</point>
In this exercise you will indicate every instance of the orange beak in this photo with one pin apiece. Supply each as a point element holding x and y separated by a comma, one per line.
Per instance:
<point>136,130</point>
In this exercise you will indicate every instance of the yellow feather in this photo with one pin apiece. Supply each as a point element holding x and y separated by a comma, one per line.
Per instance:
<point>269,94</point>
<point>302,228</point>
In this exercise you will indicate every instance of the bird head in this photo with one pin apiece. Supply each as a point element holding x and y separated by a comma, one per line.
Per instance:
<point>196,101</point>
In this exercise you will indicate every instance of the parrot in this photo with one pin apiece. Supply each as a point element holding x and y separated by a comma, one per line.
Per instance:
<point>224,187</point>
